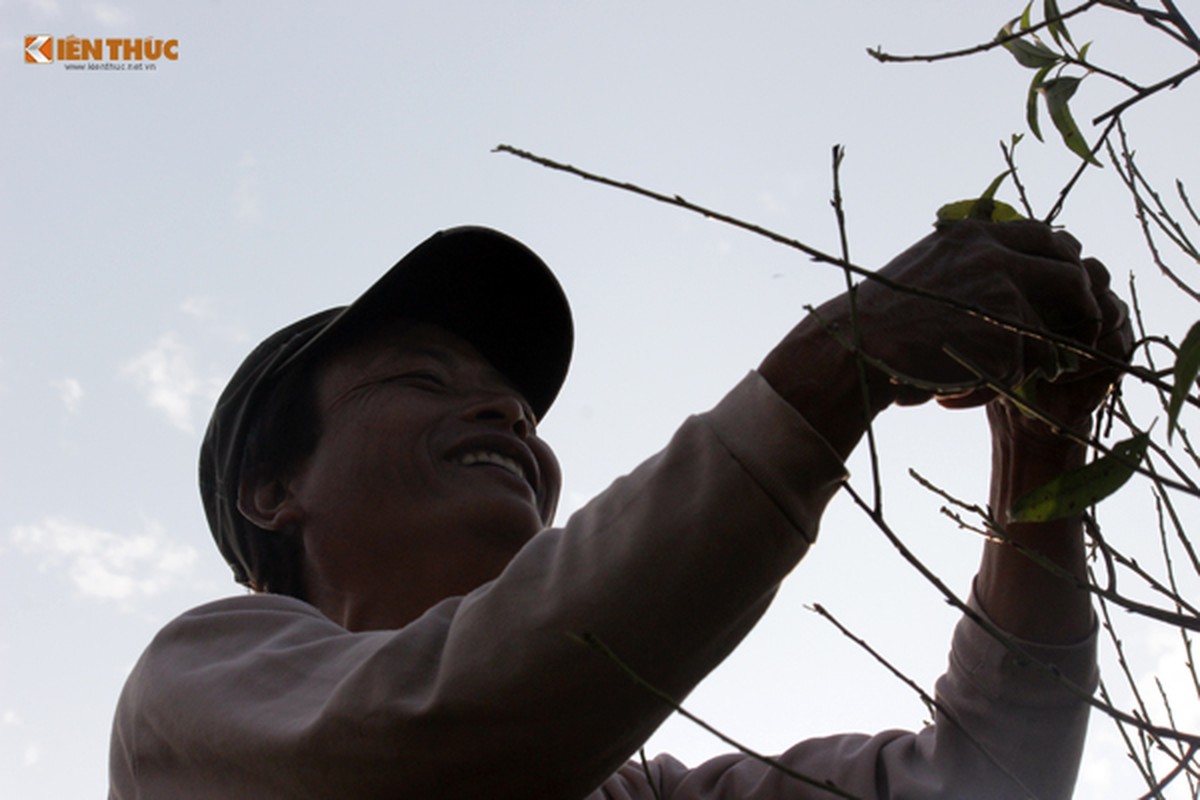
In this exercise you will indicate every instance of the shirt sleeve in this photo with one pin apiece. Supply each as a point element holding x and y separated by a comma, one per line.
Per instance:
<point>1011,729</point>
<point>495,694</point>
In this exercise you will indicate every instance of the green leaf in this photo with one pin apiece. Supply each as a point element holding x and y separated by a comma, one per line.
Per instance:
<point>1187,365</point>
<point>983,207</point>
<point>1075,490</point>
<point>1057,29</point>
<point>1026,22</point>
<point>952,212</point>
<point>978,208</point>
<point>1034,55</point>
<point>1003,212</point>
<point>1058,93</point>
<point>1028,51</point>
<point>990,191</point>
<point>1031,103</point>
<point>1082,55</point>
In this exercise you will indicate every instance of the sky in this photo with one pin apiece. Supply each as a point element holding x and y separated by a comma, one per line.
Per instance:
<point>156,224</point>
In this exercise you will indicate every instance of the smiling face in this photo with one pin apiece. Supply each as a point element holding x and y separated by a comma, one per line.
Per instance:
<point>427,478</point>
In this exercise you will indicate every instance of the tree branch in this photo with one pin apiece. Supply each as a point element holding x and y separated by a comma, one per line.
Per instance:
<point>879,55</point>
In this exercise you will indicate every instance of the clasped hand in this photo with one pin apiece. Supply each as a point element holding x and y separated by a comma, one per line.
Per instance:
<point>960,312</point>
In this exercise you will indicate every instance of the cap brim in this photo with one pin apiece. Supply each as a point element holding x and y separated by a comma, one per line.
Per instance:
<point>487,288</point>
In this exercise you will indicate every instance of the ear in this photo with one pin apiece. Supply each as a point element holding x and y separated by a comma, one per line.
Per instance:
<point>268,502</point>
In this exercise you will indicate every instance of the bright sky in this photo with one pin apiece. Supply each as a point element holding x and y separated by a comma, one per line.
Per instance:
<point>157,224</point>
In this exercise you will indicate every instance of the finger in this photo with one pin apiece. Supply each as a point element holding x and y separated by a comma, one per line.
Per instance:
<point>1064,298</point>
<point>1028,237</point>
<point>1115,335</point>
<point>1097,274</point>
<point>974,399</point>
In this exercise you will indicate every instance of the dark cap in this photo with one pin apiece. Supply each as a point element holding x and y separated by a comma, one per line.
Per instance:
<point>476,282</point>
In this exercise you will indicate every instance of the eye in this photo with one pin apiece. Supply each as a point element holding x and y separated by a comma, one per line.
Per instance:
<point>423,378</point>
<point>428,376</point>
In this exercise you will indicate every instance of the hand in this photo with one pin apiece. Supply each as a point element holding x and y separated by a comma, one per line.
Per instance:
<point>1071,399</point>
<point>1020,272</point>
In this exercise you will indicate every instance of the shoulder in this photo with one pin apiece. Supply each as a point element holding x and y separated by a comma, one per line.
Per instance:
<point>248,607</point>
<point>228,631</point>
<point>252,612</point>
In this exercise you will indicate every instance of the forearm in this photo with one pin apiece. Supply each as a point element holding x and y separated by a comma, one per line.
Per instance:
<point>1030,577</point>
<point>817,373</point>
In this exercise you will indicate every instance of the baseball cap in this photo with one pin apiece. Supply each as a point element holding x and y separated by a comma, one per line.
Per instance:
<point>476,282</point>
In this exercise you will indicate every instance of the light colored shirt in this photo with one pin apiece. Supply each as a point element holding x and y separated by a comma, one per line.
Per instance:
<point>492,695</point>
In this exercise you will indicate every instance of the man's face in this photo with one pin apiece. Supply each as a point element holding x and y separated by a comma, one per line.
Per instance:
<point>427,463</point>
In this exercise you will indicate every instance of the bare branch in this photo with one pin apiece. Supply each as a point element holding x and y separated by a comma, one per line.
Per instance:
<point>1009,159</point>
<point>852,293</point>
<point>926,698</point>
<point>1165,83</point>
<point>1005,639</point>
<point>594,642</point>
<point>1063,342</point>
<point>1079,170</point>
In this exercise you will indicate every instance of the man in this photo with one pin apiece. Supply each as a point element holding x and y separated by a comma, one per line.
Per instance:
<point>376,475</point>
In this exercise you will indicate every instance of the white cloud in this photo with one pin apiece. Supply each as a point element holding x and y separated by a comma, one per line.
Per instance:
<point>197,307</point>
<point>770,202</point>
<point>109,15</point>
<point>171,385</point>
<point>32,755</point>
<point>70,392</point>
<point>1172,672</point>
<point>106,565</point>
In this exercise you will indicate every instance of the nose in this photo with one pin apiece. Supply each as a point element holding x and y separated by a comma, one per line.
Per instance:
<point>505,410</point>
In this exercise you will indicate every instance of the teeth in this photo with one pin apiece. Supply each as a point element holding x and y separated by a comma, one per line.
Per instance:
<point>489,457</point>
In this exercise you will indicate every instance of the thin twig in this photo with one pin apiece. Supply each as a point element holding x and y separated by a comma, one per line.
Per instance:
<point>1187,203</point>
<point>1127,170</point>
<point>1057,208</point>
<point>1004,638</point>
<point>1166,83</point>
<point>1063,342</point>
<point>594,642</point>
<point>649,777</point>
<point>1180,767</point>
<point>1153,18</point>
<point>852,294</point>
<point>926,698</point>
<point>1180,21</point>
<point>1010,160</point>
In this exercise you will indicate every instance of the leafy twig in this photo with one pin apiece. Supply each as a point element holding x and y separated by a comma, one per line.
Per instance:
<point>1009,151</point>
<point>879,55</point>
